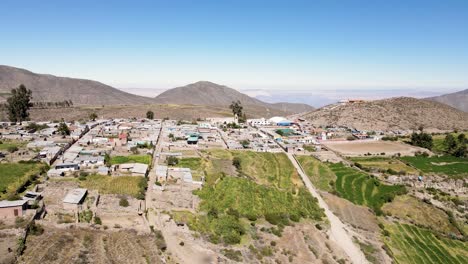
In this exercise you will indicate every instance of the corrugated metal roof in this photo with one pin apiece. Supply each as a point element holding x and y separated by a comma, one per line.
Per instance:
<point>75,196</point>
<point>4,204</point>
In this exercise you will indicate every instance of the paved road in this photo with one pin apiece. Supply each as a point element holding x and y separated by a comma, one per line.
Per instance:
<point>338,232</point>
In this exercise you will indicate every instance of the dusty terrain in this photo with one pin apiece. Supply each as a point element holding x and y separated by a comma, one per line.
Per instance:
<point>402,113</point>
<point>75,245</point>
<point>359,148</point>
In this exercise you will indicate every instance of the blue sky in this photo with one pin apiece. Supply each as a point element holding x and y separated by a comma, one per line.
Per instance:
<point>299,45</point>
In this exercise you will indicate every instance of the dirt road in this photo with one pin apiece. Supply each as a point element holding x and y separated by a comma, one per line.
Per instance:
<point>338,232</point>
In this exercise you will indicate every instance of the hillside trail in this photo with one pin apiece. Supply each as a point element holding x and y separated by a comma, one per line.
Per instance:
<point>338,231</point>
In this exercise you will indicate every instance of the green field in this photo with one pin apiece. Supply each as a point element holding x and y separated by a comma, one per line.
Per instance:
<point>360,188</point>
<point>319,173</point>
<point>13,176</point>
<point>384,163</point>
<point>6,144</point>
<point>272,169</point>
<point>233,198</point>
<point>127,185</point>
<point>265,186</point>
<point>410,244</point>
<point>444,165</point>
<point>192,163</point>
<point>146,159</point>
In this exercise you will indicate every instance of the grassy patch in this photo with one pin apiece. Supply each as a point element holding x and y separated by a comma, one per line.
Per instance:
<point>15,176</point>
<point>360,188</point>
<point>410,244</point>
<point>444,165</point>
<point>5,145</point>
<point>273,169</point>
<point>192,163</point>
<point>318,172</point>
<point>412,209</point>
<point>127,185</point>
<point>146,159</point>
<point>383,163</point>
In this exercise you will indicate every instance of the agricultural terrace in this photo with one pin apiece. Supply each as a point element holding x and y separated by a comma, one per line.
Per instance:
<point>233,198</point>
<point>408,208</point>
<point>126,185</point>
<point>444,165</point>
<point>146,159</point>
<point>410,244</point>
<point>15,176</point>
<point>360,188</point>
<point>272,169</point>
<point>438,141</point>
<point>385,164</point>
<point>319,173</point>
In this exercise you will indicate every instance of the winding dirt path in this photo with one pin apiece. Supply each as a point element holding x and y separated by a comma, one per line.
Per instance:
<point>338,232</point>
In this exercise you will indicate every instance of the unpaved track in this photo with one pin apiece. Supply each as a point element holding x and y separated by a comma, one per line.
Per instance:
<point>338,233</point>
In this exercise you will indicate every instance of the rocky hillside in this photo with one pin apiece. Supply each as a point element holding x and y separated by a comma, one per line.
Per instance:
<point>49,88</point>
<point>400,113</point>
<point>457,100</point>
<point>212,94</point>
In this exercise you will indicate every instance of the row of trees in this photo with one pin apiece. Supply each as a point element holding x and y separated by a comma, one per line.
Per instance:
<point>455,146</point>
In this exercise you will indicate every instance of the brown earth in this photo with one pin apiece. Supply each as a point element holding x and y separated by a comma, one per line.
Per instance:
<point>402,113</point>
<point>75,245</point>
<point>185,112</point>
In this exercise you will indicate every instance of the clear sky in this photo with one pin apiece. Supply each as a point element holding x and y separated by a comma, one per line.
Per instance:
<point>244,44</point>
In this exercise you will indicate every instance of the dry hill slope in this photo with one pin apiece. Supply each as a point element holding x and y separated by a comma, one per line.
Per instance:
<point>457,100</point>
<point>208,93</point>
<point>49,88</point>
<point>402,113</point>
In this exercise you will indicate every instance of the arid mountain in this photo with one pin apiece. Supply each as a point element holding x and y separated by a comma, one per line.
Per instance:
<point>212,94</point>
<point>49,88</point>
<point>401,113</point>
<point>457,100</point>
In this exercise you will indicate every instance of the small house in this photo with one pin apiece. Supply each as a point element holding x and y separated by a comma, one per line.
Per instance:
<point>12,209</point>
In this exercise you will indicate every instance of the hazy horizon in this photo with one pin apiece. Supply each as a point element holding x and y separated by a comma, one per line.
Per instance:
<point>243,44</point>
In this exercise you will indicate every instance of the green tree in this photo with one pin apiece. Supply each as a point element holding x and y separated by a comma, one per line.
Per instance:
<point>421,139</point>
<point>93,116</point>
<point>18,104</point>
<point>450,143</point>
<point>150,115</point>
<point>462,139</point>
<point>63,129</point>
<point>236,108</point>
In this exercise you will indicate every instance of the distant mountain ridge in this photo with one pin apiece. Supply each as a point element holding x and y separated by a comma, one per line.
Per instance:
<point>400,113</point>
<point>457,100</point>
<point>212,94</point>
<point>50,88</point>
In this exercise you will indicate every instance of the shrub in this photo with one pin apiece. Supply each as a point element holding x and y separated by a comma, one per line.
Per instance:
<point>236,162</point>
<point>97,220</point>
<point>123,202</point>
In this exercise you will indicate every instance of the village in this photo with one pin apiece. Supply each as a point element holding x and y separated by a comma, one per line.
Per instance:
<point>136,174</point>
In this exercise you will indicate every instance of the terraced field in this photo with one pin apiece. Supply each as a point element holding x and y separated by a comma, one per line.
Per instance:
<point>318,172</point>
<point>444,165</point>
<point>384,163</point>
<point>360,188</point>
<point>410,244</point>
